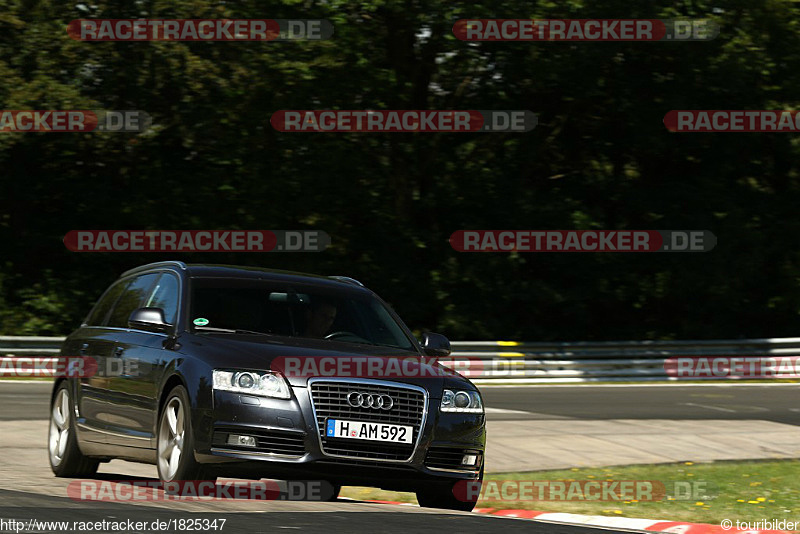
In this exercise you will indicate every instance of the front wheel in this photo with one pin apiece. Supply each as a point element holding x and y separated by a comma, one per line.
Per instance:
<point>441,495</point>
<point>66,459</point>
<point>333,496</point>
<point>176,460</point>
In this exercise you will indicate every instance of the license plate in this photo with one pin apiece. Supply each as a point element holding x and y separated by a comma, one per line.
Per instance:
<point>339,428</point>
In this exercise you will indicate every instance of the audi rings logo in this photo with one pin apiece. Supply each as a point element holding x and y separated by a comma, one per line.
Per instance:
<point>369,400</point>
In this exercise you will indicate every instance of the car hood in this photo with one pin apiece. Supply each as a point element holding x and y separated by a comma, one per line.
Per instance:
<point>301,359</point>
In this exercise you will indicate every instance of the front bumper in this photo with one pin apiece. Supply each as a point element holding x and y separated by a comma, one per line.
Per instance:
<point>289,445</point>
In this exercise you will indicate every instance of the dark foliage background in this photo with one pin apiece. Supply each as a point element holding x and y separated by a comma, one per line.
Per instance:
<point>599,158</point>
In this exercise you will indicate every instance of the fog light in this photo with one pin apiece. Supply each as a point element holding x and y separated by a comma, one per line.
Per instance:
<point>243,441</point>
<point>470,460</point>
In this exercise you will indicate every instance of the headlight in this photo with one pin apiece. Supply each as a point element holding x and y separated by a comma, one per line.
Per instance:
<point>461,401</point>
<point>262,383</point>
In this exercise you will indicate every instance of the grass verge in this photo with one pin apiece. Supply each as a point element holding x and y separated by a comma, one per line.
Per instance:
<point>695,492</point>
<point>26,378</point>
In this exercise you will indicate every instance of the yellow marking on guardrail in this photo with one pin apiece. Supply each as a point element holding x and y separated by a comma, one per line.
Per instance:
<point>508,343</point>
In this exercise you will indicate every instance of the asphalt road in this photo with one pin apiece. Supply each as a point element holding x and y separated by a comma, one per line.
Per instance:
<point>769,402</point>
<point>28,489</point>
<point>350,517</point>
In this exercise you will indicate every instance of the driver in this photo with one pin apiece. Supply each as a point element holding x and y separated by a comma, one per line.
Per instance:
<point>319,319</point>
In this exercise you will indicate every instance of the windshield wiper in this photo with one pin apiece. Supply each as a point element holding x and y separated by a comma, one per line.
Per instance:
<point>367,343</point>
<point>240,331</point>
<point>212,329</point>
<point>230,331</point>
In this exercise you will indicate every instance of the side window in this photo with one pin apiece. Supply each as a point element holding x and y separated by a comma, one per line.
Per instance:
<point>131,299</point>
<point>98,315</point>
<point>165,296</point>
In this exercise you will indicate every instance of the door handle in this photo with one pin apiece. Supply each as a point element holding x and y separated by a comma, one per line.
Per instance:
<point>84,348</point>
<point>118,352</point>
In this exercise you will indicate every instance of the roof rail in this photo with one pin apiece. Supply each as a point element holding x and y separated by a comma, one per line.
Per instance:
<point>347,280</point>
<point>178,264</point>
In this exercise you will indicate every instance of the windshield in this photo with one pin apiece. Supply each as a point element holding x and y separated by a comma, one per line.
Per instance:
<point>298,310</point>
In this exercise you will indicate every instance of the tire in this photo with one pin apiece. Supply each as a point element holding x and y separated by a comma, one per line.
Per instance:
<point>337,488</point>
<point>440,495</point>
<point>175,441</point>
<point>66,458</point>
<point>329,490</point>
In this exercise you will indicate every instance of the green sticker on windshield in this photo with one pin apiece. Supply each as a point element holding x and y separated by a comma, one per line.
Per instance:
<point>200,321</point>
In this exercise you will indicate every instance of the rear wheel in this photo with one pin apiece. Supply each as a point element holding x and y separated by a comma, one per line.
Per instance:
<point>66,459</point>
<point>175,449</point>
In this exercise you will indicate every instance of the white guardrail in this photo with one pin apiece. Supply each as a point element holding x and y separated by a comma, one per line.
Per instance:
<point>519,362</point>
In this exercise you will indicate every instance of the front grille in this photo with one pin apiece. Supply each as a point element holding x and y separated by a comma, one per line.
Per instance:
<point>267,441</point>
<point>330,401</point>
<point>448,458</point>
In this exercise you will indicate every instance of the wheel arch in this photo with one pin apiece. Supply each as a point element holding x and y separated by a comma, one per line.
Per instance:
<point>171,383</point>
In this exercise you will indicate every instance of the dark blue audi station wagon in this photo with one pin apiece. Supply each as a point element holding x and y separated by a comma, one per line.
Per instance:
<point>197,391</point>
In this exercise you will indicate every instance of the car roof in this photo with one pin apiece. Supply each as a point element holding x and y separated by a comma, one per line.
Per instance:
<point>197,270</point>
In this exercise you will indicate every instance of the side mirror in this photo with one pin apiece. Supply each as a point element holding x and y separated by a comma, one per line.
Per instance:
<point>435,344</point>
<point>149,319</point>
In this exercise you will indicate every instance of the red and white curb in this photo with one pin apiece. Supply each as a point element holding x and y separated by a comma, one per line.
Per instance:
<point>629,523</point>
<point>649,525</point>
